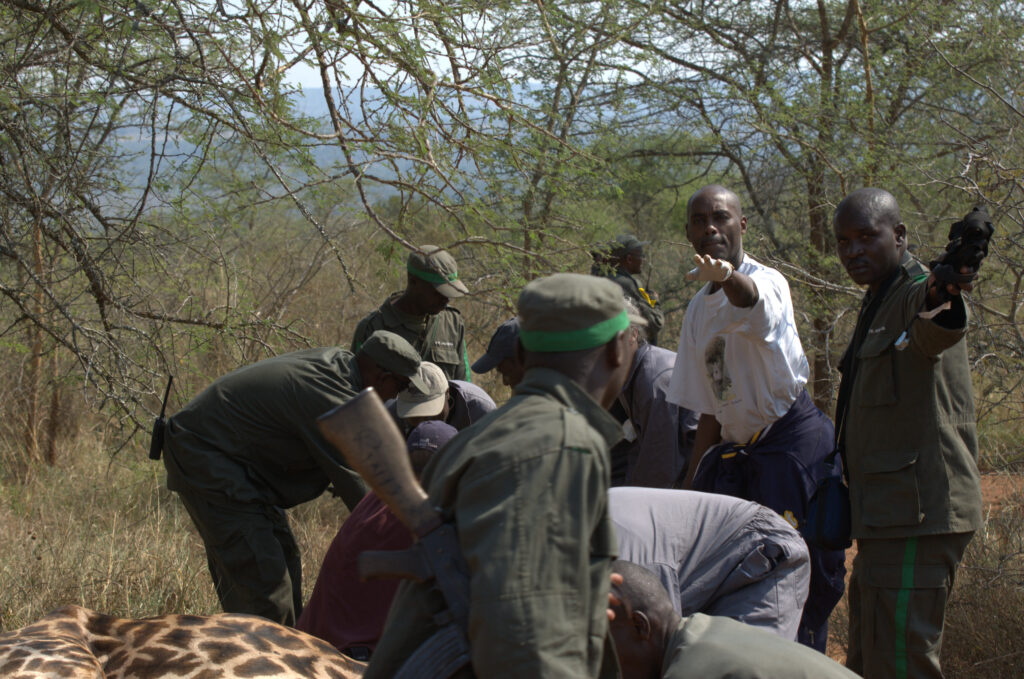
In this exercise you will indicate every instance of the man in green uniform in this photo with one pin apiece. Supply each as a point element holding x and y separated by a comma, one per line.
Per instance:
<point>905,425</point>
<point>652,640</point>
<point>526,488</point>
<point>247,448</point>
<point>421,313</point>
<point>623,261</point>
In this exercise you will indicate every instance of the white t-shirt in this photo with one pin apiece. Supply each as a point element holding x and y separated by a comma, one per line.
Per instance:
<point>744,366</point>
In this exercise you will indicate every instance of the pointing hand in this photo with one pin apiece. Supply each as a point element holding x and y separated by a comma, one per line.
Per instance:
<point>710,269</point>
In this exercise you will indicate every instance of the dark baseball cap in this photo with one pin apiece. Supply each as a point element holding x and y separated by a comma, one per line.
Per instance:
<point>436,266</point>
<point>570,312</point>
<point>430,435</point>
<point>627,244</point>
<point>395,355</point>
<point>502,346</point>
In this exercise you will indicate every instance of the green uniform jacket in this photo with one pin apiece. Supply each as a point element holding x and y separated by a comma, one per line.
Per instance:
<point>440,339</point>
<point>651,312</point>
<point>712,647</point>
<point>252,436</point>
<point>526,487</point>
<point>911,439</point>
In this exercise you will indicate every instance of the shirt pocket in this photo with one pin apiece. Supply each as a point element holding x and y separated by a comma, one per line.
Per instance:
<point>444,351</point>
<point>876,378</point>
<point>891,496</point>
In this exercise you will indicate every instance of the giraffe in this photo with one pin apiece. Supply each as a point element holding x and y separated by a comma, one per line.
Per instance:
<point>77,643</point>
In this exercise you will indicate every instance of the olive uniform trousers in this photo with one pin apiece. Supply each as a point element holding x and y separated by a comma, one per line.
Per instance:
<point>898,592</point>
<point>253,557</point>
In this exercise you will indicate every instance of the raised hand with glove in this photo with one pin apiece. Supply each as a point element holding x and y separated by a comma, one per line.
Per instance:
<point>710,269</point>
<point>740,289</point>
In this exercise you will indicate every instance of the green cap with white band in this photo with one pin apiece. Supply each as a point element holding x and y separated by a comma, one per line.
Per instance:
<point>570,312</point>
<point>436,266</point>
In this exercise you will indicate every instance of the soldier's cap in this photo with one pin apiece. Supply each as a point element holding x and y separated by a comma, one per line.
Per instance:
<point>436,266</point>
<point>427,401</point>
<point>570,312</point>
<point>501,346</point>
<point>430,435</point>
<point>393,354</point>
<point>627,244</point>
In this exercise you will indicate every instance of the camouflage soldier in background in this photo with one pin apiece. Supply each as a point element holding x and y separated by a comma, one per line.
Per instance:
<point>421,313</point>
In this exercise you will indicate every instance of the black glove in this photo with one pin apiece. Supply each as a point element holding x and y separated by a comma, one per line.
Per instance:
<point>968,245</point>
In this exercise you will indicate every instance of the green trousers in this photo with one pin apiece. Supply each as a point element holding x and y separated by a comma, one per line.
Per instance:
<point>252,555</point>
<point>898,593</point>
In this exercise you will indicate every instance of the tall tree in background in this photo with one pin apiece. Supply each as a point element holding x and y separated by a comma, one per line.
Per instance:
<point>167,195</point>
<point>807,100</point>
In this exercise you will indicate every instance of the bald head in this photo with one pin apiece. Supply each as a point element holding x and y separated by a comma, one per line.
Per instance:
<point>875,205</point>
<point>640,588</point>
<point>717,189</point>
<point>644,621</point>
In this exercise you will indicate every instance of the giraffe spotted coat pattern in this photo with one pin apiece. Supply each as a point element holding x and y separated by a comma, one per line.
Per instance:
<point>76,643</point>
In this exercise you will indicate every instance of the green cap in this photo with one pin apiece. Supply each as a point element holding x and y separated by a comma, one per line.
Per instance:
<point>570,312</point>
<point>395,355</point>
<point>436,266</point>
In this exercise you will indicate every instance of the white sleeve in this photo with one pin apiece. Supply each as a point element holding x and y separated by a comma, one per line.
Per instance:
<point>768,313</point>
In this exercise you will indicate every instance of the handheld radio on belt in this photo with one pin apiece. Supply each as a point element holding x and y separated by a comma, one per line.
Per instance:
<point>156,440</point>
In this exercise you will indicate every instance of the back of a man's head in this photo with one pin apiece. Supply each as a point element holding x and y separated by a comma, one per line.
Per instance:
<point>575,324</point>
<point>644,620</point>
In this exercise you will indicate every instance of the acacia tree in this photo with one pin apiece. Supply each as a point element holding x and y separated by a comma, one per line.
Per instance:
<point>804,101</point>
<point>122,121</point>
<point>991,172</point>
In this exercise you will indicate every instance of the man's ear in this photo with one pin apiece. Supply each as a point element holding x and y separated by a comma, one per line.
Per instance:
<point>618,349</point>
<point>641,625</point>
<point>901,233</point>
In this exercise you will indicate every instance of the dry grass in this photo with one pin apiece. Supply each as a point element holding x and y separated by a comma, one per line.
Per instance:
<point>109,536</point>
<point>985,617</point>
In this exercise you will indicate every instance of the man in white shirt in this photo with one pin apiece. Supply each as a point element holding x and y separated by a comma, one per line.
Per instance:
<point>740,365</point>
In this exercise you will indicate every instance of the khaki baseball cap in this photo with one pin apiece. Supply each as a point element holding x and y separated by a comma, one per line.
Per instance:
<point>436,266</point>
<point>427,401</point>
<point>395,355</point>
<point>570,312</point>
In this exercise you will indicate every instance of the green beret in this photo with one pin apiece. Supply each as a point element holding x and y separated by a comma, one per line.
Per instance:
<point>393,354</point>
<point>570,312</point>
<point>436,266</point>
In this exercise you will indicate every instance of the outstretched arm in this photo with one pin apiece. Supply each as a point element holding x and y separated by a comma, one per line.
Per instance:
<point>739,288</point>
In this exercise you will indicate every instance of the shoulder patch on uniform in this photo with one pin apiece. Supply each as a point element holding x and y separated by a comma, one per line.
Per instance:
<point>918,279</point>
